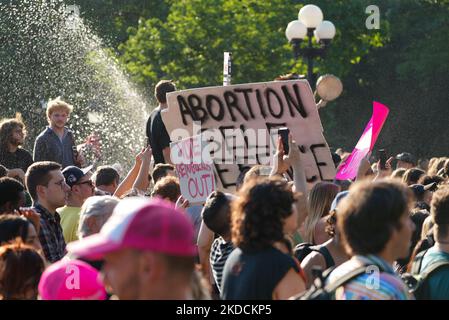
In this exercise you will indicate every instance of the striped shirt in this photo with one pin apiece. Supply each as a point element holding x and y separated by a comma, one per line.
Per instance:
<point>219,253</point>
<point>379,282</point>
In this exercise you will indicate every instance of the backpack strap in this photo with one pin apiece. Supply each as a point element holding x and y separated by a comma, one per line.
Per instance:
<point>333,286</point>
<point>302,250</point>
<point>417,262</point>
<point>433,267</point>
<point>327,257</point>
<point>417,265</point>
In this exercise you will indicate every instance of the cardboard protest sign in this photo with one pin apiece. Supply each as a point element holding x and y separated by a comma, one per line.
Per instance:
<point>348,170</point>
<point>196,173</point>
<point>240,121</point>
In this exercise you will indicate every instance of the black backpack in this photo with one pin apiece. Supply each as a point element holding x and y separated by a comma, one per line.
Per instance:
<point>320,291</point>
<point>302,250</point>
<point>416,280</point>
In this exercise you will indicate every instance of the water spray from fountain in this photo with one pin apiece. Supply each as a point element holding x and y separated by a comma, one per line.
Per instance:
<point>48,51</point>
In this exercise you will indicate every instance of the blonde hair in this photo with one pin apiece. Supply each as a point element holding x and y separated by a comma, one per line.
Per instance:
<point>256,171</point>
<point>398,173</point>
<point>56,105</point>
<point>436,165</point>
<point>318,205</point>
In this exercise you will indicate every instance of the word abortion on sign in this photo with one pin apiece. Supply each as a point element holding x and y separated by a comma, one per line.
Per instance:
<point>195,172</point>
<point>241,122</point>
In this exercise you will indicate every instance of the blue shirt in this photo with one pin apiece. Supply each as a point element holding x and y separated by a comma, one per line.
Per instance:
<point>49,147</point>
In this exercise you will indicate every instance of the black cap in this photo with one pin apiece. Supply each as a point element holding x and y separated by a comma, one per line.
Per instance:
<point>406,157</point>
<point>419,189</point>
<point>74,174</point>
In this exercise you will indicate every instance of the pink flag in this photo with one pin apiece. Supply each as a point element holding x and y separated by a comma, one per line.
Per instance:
<point>366,143</point>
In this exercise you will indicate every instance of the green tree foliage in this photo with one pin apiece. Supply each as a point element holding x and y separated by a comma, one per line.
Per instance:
<point>409,74</point>
<point>189,46</point>
<point>403,64</point>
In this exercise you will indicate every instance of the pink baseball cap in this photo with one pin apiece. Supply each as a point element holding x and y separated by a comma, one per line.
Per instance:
<point>71,280</point>
<point>143,224</point>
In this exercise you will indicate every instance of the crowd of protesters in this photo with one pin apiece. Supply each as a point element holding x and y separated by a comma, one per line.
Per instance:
<point>72,231</point>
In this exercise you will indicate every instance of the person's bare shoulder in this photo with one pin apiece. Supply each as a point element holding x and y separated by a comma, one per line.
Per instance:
<point>313,259</point>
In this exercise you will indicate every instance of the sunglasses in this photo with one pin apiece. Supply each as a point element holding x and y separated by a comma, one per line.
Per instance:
<point>88,182</point>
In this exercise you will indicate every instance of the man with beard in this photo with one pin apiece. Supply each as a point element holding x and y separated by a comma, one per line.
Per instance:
<point>56,143</point>
<point>12,156</point>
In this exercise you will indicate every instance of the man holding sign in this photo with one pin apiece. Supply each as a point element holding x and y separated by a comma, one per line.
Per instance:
<point>157,135</point>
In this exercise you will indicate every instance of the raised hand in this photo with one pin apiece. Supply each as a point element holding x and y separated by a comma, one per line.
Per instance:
<point>280,166</point>
<point>182,203</point>
<point>293,157</point>
<point>382,173</point>
<point>364,167</point>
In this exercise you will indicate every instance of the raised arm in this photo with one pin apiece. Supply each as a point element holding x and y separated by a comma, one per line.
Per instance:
<point>299,179</point>
<point>141,183</point>
<point>130,178</point>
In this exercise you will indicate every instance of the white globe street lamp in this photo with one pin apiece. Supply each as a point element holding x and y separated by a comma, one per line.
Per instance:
<point>310,24</point>
<point>311,15</point>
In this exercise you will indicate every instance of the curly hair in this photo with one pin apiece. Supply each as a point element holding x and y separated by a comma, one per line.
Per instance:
<point>331,223</point>
<point>258,214</point>
<point>167,188</point>
<point>7,126</point>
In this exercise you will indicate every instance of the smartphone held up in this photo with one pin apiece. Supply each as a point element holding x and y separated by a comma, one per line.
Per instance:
<point>284,133</point>
<point>382,158</point>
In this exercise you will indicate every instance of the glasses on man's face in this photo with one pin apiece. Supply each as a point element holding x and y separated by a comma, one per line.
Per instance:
<point>88,182</point>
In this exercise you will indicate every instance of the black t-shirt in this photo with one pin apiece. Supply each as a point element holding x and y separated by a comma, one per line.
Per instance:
<point>157,135</point>
<point>21,159</point>
<point>255,275</point>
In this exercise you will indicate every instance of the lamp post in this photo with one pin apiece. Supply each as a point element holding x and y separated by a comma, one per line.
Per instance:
<point>310,23</point>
